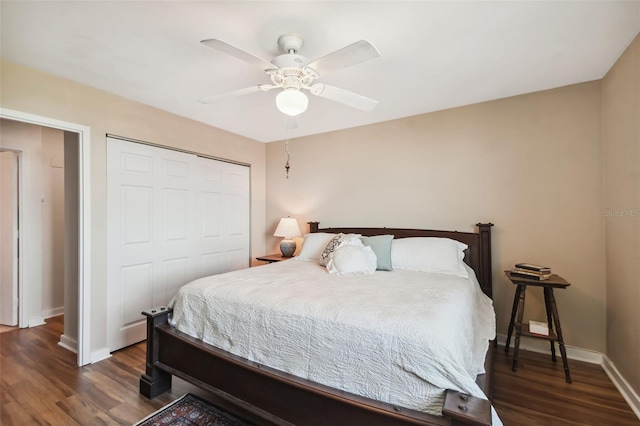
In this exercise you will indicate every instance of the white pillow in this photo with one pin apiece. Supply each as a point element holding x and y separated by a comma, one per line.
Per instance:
<point>429,254</point>
<point>352,259</point>
<point>337,241</point>
<point>313,244</point>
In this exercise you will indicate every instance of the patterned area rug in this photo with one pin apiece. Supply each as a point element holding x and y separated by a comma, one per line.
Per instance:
<point>189,410</point>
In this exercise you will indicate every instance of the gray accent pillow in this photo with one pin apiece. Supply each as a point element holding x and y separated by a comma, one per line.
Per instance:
<point>381,246</point>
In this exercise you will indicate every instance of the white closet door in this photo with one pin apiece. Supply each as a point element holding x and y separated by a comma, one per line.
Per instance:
<point>161,217</point>
<point>223,215</point>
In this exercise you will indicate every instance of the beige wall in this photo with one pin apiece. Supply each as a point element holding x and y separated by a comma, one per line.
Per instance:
<point>621,141</point>
<point>28,90</point>
<point>52,169</point>
<point>71,244</point>
<point>530,164</point>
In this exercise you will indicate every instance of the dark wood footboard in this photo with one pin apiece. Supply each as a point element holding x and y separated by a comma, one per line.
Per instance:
<point>299,401</point>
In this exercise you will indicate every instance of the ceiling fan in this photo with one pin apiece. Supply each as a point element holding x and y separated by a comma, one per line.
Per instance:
<point>294,73</point>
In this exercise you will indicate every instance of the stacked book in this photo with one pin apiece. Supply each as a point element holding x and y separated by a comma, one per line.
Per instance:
<point>531,271</point>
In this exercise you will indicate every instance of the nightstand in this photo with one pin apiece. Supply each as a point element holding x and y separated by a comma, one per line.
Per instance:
<point>270,258</point>
<point>553,319</point>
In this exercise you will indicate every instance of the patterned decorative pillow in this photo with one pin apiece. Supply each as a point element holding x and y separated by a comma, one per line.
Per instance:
<point>331,246</point>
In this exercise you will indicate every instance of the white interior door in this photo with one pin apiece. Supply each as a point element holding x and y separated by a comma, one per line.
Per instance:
<point>172,217</point>
<point>9,238</point>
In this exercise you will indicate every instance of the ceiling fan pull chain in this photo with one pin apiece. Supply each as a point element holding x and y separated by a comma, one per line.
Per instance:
<point>287,164</point>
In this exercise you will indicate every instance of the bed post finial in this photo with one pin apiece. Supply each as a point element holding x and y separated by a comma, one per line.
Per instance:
<point>313,226</point>
<point>485,257</point>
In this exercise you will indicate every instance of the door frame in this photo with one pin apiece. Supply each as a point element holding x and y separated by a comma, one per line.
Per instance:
<point>84,224</point>
<point>16,159</point>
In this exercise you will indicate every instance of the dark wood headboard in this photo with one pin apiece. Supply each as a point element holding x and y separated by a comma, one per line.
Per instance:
<point>477,256</point>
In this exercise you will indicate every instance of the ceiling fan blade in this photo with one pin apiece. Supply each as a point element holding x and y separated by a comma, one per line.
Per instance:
<point>353,54</point>
<point>239,92</point>
<point>344,97</point>
<point>230,49</point>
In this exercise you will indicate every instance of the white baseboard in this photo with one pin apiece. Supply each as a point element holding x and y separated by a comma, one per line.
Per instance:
<point>586,355</point>
<point>68,343</point>
<point>632,398</point>
<point>100,354</point>
<point>542,346</point>
<point>50,313</point>
<point>36,321</point>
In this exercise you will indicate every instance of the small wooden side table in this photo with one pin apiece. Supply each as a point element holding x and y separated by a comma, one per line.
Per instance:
<point>553,319</point>
<point>270,258</point>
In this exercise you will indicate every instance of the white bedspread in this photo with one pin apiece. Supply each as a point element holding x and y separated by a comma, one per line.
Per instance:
<point>400,337</point>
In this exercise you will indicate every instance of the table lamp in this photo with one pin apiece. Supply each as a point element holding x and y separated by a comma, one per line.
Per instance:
<point>287,228</point>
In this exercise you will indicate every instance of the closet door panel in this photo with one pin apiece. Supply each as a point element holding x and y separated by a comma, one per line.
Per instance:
<point>224,201</point>
<point>172,217</point>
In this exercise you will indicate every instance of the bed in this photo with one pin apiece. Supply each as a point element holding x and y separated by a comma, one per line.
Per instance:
<point>298,388</point>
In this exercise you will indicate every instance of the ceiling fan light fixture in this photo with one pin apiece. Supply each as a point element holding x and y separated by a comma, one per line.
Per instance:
<point>292,102</point>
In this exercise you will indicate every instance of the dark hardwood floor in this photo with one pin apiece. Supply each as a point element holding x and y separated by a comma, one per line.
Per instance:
<point>40,384</point>
<point>537,393</point>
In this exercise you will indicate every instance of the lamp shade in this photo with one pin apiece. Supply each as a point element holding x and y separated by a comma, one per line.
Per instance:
<point>292,101</point>
<point>288,227</point>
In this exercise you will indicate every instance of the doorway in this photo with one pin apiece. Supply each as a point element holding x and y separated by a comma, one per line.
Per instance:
<point>77,137</point>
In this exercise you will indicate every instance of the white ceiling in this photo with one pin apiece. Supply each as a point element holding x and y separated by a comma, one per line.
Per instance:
<point>434,55</point>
